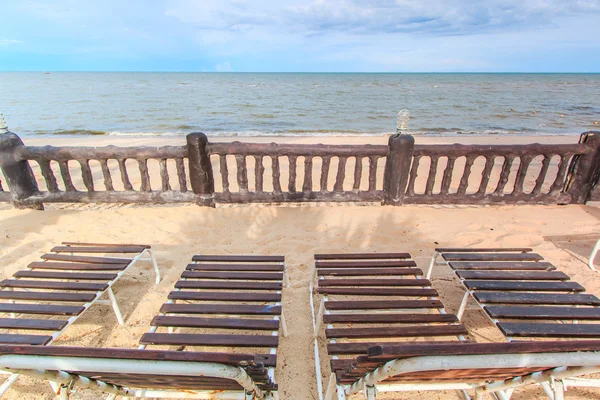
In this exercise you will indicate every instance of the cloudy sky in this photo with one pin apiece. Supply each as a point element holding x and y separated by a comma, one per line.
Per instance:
<point>301,35</point>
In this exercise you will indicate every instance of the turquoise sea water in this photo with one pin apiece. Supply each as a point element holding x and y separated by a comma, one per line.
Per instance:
<point>230,104</point>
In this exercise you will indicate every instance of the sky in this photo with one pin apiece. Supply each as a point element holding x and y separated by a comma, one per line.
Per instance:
<point>301,35</point>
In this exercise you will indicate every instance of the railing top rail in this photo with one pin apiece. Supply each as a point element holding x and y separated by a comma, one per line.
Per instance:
<point>65,153</point>
<point>513,149</point>
<point>273,149</point>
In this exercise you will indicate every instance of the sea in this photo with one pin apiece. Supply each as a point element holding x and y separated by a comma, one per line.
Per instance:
<point>297,104</point>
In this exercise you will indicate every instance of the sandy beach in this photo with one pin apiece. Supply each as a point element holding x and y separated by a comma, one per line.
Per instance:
<point>564,235</point>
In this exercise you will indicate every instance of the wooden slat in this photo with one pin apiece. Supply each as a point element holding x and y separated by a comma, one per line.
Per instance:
<point>34,340</point>
<point>361,291</point>
<point>363,347</point>
<point>515,275</point>
<point>536,312</point>
<point>369,271</point>
<point>405,331</point>
<point>234,309</point>
<point>47,309</point>
<point>522,286</point>
<point>502,265</point>
<point>65,275</point>
<point>76,266</point>
<point>247,258</point>
<point>25,283</point>
<point>35,324</point>
<point>382,305</point>
<point>388,317</point>
<point>482,249</point>
<point>97,249</point>
<point>373,282</point>
<point>47,296</point>
<point>492,257</point>
<point>361,256</point>
<point>549,330</point>
<point>225,296</point>
<point>189,339</point>
<point>228,285</point>
<point>537,298</point>
<point>258,276</point>
<point>85,259</point>
<point>196,322</point>
<point>234,267</point>
<point>365,264</point>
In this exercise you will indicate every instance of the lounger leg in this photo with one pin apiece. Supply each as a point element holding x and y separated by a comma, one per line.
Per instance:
<point>319,316</point>
<point>115,306</point>
<point>431,264</point>
<point>154,264</point>
<point>341,395</point>
<point>63,391</point>
<point>8,383</point>
<point>330,388</point>
<point>283,324</point>
<point>370,392</point>
<point>548,390</point>
<point>463,306</point>
<point>593,255</point>
<point>559,390</point>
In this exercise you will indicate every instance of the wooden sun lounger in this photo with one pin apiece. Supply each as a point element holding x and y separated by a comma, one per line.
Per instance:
<point>373,299</point>
<point>49,295</point>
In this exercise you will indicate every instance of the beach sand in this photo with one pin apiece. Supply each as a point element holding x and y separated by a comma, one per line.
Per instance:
<point>564,235</point>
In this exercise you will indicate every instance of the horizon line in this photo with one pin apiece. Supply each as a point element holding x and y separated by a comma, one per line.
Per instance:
<point>308,72</point>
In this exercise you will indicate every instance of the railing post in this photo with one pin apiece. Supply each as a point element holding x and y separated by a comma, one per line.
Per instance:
<point>585,170</point>
<point>18,173</point>
<point>201,176</point>
<point>397,168</point>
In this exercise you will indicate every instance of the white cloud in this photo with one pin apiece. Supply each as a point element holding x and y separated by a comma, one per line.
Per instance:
<point>6,42</point>
<point>223,67</point>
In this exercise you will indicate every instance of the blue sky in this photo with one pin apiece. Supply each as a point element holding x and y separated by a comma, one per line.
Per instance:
<point>301,35</point>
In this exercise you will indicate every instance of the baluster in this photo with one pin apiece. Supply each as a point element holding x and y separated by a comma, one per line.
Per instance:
<point>124,176</point>
<point>341,175</point>
<point>357,173</point>
<point>431,176</point>
<point>325,172</point>
<point>410,190</point>
<point>224,172</point>
<point>242,173</point>
<point>164,175</point>
<point>259,171</point>
<point>559,182</point>
<point>464,180</point>
<point>86,175</point>
<point>48,175</point>
<point>143,164</point>
<point>508,159</point>
<point>539,182</point>
<point>308,166</point>
<point>108,183</point>
<point>66,176</point>
<point>372,173</point>
<point>276,174</point>
<point>521,174</point>
<point>486,174</point>
<point>292,183</point>
<point>180,166</point>
<point>447,179</point>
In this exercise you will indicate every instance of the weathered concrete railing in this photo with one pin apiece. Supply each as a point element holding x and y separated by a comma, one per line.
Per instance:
<point>208,173</point>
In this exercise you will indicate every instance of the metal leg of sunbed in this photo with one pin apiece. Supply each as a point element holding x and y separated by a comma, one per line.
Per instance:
<point>432,264</point>
<point>547,389</point>
<point>63,391</point>
<point>463,305</point>
<point>341,393</point>
<point>593,255</point>
<point>330,388</point>
<point>370,392</point>
<point>8,383</point>
<point>115,306</point>
<point>283,324</point>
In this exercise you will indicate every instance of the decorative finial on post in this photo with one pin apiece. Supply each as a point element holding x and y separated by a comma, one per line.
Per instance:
<point>402,122</point>
<point>3,127</point>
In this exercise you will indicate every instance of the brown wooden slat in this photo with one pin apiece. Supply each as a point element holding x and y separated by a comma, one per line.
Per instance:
<point>34,340</point>
<point>360,256</point>
<point>531,286</point>
<point>363,347</point>
<point>47,309</point>
<point>85,259</point>
<point>190,339</point>
<point>228,285</point>
<point>246,258</point>
<point>369,271</point>
<point>365,264</point>
<point>482,249</point>
<point>47,296</point>
<point>383,318</point>
<point>36,324</point>
<point>225,296</point>
<point>235,267</point>
<point>515,275</point>
<point>492,257</point>
<point>258,276</point>
<point>25,283</point>
<point>379,291</point>
<point>196,322</point>
<point>234,309</point>
<point>374,282</point>
<point>97,249</point>
<point>404,331</point>
<point>382,305</point>
<point>537,298</point>
<point>145,246</point>
<point>502,265</point>
<point>76,266</point>
<point>534,312</point>
<point>549,330</point>
<point>65,275</point>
